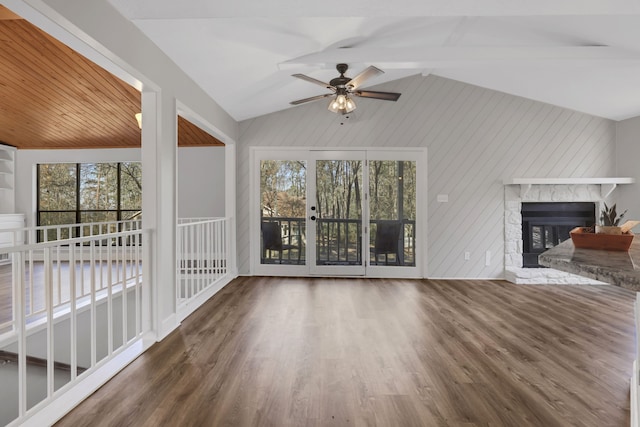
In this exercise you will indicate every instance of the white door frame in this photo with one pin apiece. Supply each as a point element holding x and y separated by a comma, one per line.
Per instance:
<point>256,154</point>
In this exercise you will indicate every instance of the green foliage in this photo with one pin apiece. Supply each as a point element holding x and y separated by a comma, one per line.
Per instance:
<point>392,189</point>
<point>339,189</point>
<point>283,188</point>
<point>392,186</point>
<point>57,186</point>
<point>609,216</point>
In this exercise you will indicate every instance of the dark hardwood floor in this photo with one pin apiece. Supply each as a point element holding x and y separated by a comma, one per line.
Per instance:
<point>356,352</point>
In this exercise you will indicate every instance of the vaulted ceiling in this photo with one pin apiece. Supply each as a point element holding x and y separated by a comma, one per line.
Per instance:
<point>53,97</point>
<point>581,55</point>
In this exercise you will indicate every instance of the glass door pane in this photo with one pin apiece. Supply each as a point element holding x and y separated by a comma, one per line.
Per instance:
<point>338,214</point>
<point>392,212</point>
<point>283,187</point>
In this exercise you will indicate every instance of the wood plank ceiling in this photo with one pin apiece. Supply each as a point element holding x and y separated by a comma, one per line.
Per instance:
<point>51,97</point>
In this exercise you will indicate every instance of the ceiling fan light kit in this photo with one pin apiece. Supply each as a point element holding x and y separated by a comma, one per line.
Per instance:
<point>342,104</point>
<point>344,88</point>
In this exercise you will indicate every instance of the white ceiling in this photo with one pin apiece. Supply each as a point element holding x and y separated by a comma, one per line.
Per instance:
<point>578,54</point>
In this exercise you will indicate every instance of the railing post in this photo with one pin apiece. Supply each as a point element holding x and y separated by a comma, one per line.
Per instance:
<point>109,298</point>
<point>92,256</point>
<point>73,318</point>
<point>48,298</point>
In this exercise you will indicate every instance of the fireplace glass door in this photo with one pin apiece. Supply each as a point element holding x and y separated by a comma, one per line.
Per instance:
<point>544,225</point>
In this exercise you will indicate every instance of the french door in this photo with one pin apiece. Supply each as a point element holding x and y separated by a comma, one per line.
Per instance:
<point>347,213</point>
<point>336,212</point>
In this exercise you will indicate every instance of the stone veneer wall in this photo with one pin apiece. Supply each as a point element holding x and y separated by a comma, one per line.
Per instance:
<point>514,272</point>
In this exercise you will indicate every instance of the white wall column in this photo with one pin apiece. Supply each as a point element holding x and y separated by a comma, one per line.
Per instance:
<point>159,156</point>
<point>230,203</point>
<point>627,155</point>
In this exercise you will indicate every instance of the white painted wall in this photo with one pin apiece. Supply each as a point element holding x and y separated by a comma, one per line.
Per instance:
<point>201,182</point>
<point>475,138</point>
<point>628,159</point>
<point>201,176</point>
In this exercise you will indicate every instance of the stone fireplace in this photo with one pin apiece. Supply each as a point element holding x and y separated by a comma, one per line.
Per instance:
<point>519,191</point>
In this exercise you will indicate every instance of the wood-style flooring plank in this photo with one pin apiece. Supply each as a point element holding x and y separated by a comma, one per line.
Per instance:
<point>382,352</point>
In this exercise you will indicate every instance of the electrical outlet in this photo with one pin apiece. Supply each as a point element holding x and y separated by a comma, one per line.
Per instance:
<point>467,256</point>
<point>487,258</point>
<point>442,198</point>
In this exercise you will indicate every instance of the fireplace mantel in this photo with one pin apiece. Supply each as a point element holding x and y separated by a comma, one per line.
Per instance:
<point>607,185</point>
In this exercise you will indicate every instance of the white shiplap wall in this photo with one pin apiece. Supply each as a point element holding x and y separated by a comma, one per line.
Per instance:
<point>475,138</point>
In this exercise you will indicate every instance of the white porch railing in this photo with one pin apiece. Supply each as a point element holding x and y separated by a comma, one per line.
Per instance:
<point>77,303</point>
<point>49,233</point>
<point>81,304</point>
<point>202,261</point>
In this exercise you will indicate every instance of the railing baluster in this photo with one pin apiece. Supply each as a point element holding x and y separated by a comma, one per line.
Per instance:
<point>136,247</point>
<point>191,269</point>
<point>217,254</point>
<point>92,272</point>
<point>199,274</point>
<point>18,292</point>
<point>59,271</point>
<point>48,298</point>
<point>178,262</point>
<point>109,301</point>
<point>124,294</point>
<point>83,292</point>
<point>101,262</point>
<point>31,283</point>
<point>72,314</point>
<point>214,245</point>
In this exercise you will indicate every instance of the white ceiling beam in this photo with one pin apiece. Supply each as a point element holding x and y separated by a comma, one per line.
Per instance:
<point>461,28</point>
<point>464,56</point>
<point>198,9</point>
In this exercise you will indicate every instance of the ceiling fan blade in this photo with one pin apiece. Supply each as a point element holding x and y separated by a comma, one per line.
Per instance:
<point>386,96</point>
<point>368,72</point>
<point>314,81</point>
<point>313,98</point>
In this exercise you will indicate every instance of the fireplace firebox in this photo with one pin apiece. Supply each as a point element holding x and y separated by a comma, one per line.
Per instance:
<point>544,225</point>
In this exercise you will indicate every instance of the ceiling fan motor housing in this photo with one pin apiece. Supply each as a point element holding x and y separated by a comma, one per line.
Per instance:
<point>340,82</point>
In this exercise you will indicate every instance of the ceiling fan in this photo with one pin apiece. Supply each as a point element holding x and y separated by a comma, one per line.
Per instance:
<point>344,87</point>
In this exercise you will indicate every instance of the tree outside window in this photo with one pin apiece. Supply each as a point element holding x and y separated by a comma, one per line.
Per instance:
<point>74,193</point>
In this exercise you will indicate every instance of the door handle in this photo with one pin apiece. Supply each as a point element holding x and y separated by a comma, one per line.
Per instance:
<point>313,218</point>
